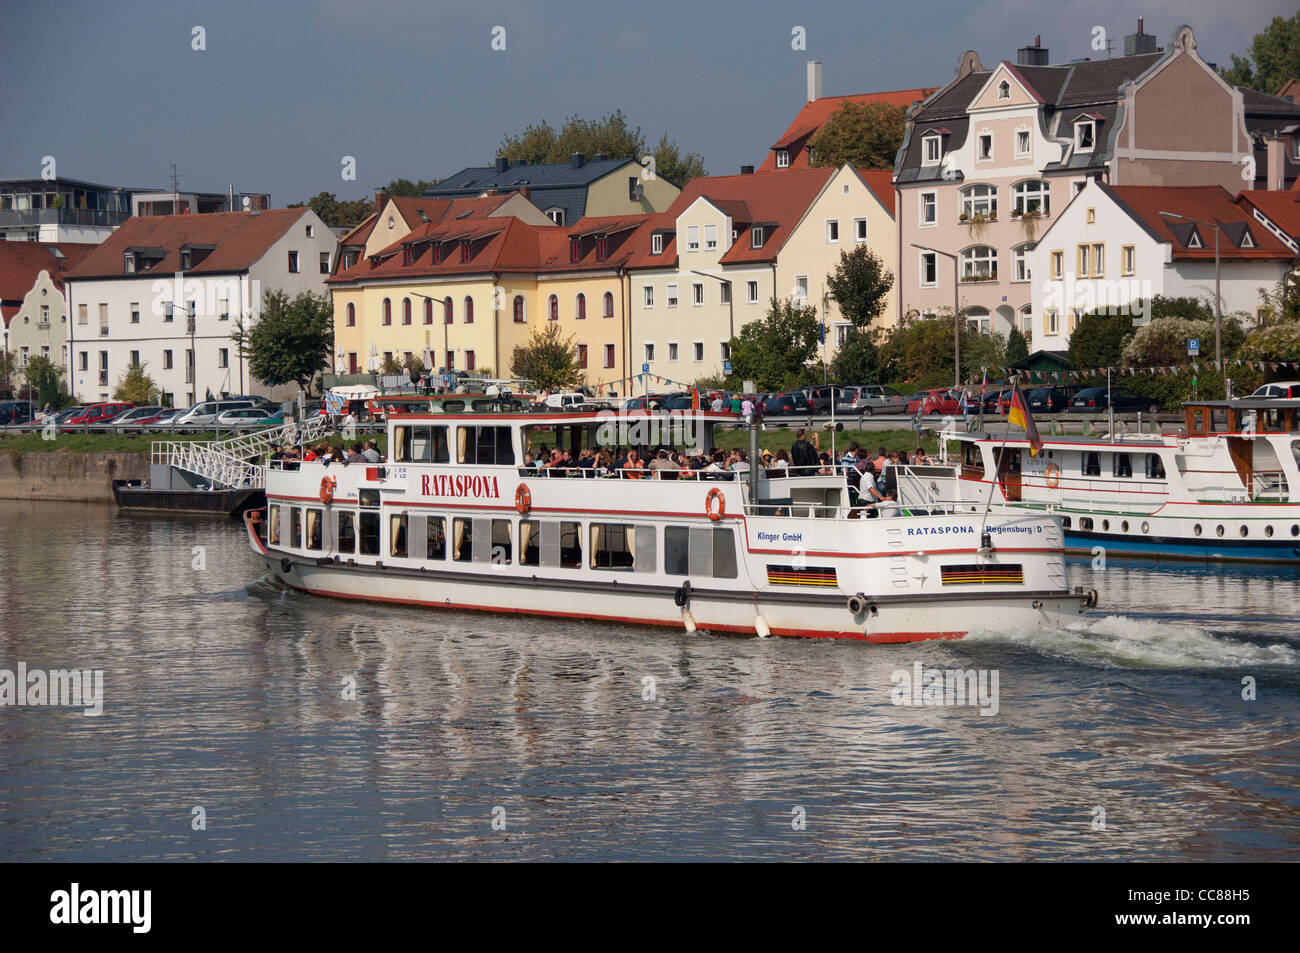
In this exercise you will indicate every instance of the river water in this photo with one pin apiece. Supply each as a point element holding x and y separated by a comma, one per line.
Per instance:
<point>230,730</point>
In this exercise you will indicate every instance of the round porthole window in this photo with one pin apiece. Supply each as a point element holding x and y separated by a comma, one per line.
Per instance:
<point>1146,527</point>
<point>1295,529</point>
<point>1245,530</point>
<point>1218,530</point>
<point>1124,526</point>
<point>1105,524</point>
<point>1065,521</point>
<point>1197,529</point>
<point>1268,531</point>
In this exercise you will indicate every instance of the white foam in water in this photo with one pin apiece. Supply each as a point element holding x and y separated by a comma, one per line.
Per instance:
<point>1145,643</point>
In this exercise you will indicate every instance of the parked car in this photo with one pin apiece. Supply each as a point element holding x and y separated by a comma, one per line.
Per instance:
<point>679,402</point>
<point>871,399</point>
<point>203,416</point>
<point>822,396</point>
<point>164,420</point>
<point>1124,400</point>
<point>944,400</point>
<point>242,417</point>
<point>94,416</point>
<point>1051,400</point>
<point>1287,390</point>
<point>564,401</point>
<point>132,420</point>
<point>794,403</point>
<point>991,401</point>
<point>649,401</point>
<point>15,412</point>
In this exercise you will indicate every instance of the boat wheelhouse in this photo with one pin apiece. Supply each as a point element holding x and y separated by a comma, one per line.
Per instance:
<point>1225,488</point>
<point>454,518</point>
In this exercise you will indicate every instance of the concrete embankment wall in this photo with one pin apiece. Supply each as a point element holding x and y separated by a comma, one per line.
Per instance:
<point>75,477</point>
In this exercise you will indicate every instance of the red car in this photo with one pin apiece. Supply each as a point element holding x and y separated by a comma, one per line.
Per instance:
<point>941,401</point>
<point>99,413</point>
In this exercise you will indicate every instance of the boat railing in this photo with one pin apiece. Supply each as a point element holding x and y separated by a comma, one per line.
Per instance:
<point>1269,484</point>
<point>594,473</point>
<point>231,462</point>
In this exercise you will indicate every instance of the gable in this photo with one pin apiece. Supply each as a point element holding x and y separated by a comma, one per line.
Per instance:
<point>1004,80</point>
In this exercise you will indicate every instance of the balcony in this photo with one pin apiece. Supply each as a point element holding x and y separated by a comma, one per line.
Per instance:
<point>104,218</point>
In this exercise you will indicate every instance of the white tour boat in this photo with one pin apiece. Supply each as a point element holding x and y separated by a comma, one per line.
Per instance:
<point>452,519</point>
<point>1226,488</point>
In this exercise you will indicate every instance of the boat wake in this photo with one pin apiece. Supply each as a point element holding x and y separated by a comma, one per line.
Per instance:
<point>1140,643</point>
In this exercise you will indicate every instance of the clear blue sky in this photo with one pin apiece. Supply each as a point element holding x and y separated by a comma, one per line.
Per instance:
<point>411,88</point>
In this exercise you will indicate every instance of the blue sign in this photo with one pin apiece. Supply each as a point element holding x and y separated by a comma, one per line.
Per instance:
<point>1193,347</point>
<point>726,367</point>
<point>645,368</point>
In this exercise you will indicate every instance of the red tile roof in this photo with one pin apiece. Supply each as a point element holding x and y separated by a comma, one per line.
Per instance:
<point>22,262</point>
<point>361,233</point>
<point>1282,208</point>
<point>499,244</point>
<point>813,115</point>
<point>1209,203</point>
<point>881,183</point>
<point>241,238</point>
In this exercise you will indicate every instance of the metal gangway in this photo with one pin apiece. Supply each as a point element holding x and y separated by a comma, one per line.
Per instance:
<point>227,464</point>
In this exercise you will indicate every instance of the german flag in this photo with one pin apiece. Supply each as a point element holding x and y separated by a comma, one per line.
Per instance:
<point>1019,415</point>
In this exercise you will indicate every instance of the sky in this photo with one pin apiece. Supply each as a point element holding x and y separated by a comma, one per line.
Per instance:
<point>284,91</point>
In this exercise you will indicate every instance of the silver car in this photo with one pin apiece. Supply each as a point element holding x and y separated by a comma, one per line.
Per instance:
<point>871,399</point>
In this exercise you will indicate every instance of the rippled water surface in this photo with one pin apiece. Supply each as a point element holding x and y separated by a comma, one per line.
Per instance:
<point>226,692</point>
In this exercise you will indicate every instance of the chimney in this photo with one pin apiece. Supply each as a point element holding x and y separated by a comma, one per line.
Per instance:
<point>746,170</point>
<point>502,163</point>
<point>1139,42</point>
<point>598,157</point>
<point>576,161</point>
<point>1275,164</point>
<point>1034,55</point>
<point>380,199</point>
<point>527,192</point>
<point>814,81</point>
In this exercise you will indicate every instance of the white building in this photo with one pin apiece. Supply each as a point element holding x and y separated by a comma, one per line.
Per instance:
<point>1111,247</point>
<point>169,291</point>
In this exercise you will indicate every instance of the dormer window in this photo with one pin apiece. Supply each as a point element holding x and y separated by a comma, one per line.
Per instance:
<point>575,251</point>
<point>1194,241</point>
<point>556,215</point>
<point>128,263</point>
<point>1247,241</point>
<point>1004,91</point>
<point>602,248</point>
<point>756,237</point>
<point>464,251</point>
<point>408,254</point>
<point>1085,134</point>
<point>783,158</point>
<point>933,148</point>
<point>657,244</point>
<point>187,258</point>
<point>437,254</point>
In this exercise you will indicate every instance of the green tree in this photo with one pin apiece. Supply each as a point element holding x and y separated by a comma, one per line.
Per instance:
<point>1273,342</point>
<point>1164,342</point>
<point>860,284</point>
<point>774,351</point>
<point>865,135</point>
<point>292,340</point>
<point>1017,346</point>
<point>1098,340</point>
<point>406,187</point>
<point>1282,304</point>
<point>390,366</point>
<point>672,165</point>
<point>136,386</point>
<point>982,351</point>
<point>548,360</point>
<point>1162,307</point>
<point>335,213</point>
<point>8,365</point>
<point>1274,58</point>
<point>43,379</point>
<point>857,361</point>
<point>919,351</point>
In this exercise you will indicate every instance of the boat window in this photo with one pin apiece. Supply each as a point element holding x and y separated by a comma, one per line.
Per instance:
<point>295,531</point>
<point>1085,522</point>
<point>502,551</point>
<point>369,523</point>
<point>1271,421</point>
<point>397,535</point>
<point>676,550</point>
<point>423,444</point>
<point>273,532</point>
<point>1091,464</point>
<point>530,543</point>
<point>1123,466</point>
<point>347,532</point>
<point>700,551</point>
<point>485,445</point>
<point>1155,467</point>
<point>436,538</point>
<point>1219,419</point>
<point>571,545</point>
<point>724,554</point>
<point>462,544</point>
<point>618,546</point>
<point>313,528</point>
<point>368,497</point>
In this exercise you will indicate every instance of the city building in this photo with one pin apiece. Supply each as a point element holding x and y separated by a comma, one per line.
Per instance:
<point>32,299</point>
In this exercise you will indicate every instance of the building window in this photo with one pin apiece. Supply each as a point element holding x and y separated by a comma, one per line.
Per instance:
<point>649,352</point>
<point>933,150</point>
<point>697,294</point>
<point>756,237</point>
<point>135,313</point>
<point>128,263</point>
<point>710,237</point>
<point>1058,265</point>
<point>471,361</point>
<point>648,296</point>
<point>1022,143</point>
<point>556,215</point>
<point>324,263</point>
<point>602,248</point>
<point>783,158</point>
<point>135,357</point>
<point>724,350</point>
<point>1084,135</point>
<point>832,231</point>
<point>979,263</point>
<point>929,269</point>
<point>225,310</point>
<point>167,360</point>
<point>469,310</point>
<point>977,319</point>
<point>609,355</point>
<point>1004,90</point>
<point>520,316</point>
<point>672,296</point>
<point>672,352</point>
<point>801,288</point>
<point>1033,195</point>
<point>1099,260</point>
<point>428,311</point>
<point>751,292</point>
<point>1128,259</point>
<point>553,308</point>
<point>859,229</point>
<point>575,250</point>
<point>1084,261</point>
<point>580,307</point>
<point>582,357</point>
<point>724,292</point>
<point>1052,321</point>
<point>692,238</point>
<point>388,312</point>
<point>697,351</point>
<point>223,357</point>
<point>657,243</point>
<point>310,230</point>
<point>929,211</point>
<point>352,315</point>
<point>979,200</point>
<point>406,311</point>
<point>448,310</point>
<point>609,304</point>
<point>81,313</point>
<point>1020,262</point>
<point>985,147</point>
<point>1076,314</point>
<point>436,257</point>
<point>465,249</point>
<point>293,263</point>
<point>451,360</point>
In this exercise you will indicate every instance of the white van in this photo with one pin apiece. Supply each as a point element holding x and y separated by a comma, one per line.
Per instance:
<point>564,401</point>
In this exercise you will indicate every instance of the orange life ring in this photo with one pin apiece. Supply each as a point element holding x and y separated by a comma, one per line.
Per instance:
<point>715,494</point>
<point>1053,475</point>
<point>327,485</point>
<point>523,499</point>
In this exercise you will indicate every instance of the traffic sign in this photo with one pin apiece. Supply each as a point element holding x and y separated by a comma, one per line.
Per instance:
<point>726,367</point>
<point>645,368</point>
<point>1193,347</point>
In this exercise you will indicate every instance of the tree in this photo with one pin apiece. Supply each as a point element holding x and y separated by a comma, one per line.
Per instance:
<point>857,361</point>
<point>408,188</point>
<point>1274,58</point>
<point>8,365</point>
<point>548,360</point>
<point>1282,304</point>
<point>1164,342</point>
<point>919,350</point>
<point>865,135</point>
<point>1017,347</point>
<point>1098,340</point>
<point>292,340</point>
<point>136,387</point>
<point>43,379</point>
<point>773,351</point>
<point>335,213</point>
<point>860,284</point>
<point>390,366</point>
<point>670,164</point>
<point>1162,307</point>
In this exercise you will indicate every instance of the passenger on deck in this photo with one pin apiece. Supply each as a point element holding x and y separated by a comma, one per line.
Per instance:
<point>357,455</point>
<point>633,468</point>
<point>886,505</point>
<point>372,451</point>
<point>919,459</point>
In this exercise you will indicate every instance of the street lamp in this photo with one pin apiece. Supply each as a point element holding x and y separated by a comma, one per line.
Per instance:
<point>194,354</point>
<point>1218,318</point>
<point>956,312</point>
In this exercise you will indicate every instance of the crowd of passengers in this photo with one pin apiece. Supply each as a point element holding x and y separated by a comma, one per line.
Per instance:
<point>289,457</point>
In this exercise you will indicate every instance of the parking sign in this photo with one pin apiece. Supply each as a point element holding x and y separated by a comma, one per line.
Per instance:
<point>726,367</point>
<point>645,368</point>
<point>1193,347</point>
